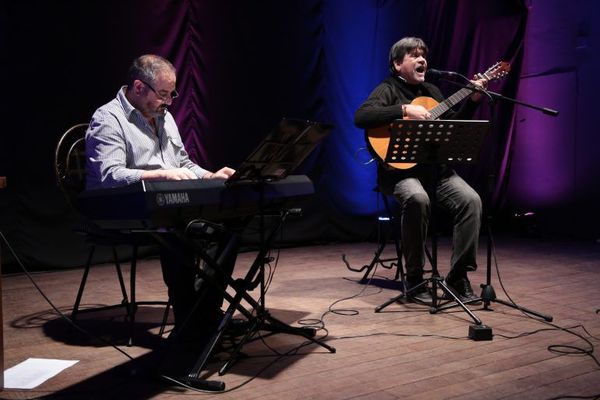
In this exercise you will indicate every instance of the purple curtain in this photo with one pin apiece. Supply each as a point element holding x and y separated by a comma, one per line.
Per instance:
<point>243,65</point>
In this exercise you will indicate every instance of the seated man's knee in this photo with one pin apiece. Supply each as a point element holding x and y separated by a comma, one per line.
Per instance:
<point>472,203</point>
<point>418,202</point>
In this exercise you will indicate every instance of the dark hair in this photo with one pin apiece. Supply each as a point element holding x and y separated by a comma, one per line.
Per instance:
<point>405,46</point>
<point>146,67</point>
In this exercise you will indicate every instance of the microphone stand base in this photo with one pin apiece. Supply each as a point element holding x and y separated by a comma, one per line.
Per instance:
<point>480,332</point>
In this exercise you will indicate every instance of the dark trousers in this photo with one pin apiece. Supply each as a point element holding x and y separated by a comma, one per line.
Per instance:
<point>463,204</point>
<point>197,301</point>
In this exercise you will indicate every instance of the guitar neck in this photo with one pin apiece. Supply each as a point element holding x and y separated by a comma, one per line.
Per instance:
<point>450,102</point>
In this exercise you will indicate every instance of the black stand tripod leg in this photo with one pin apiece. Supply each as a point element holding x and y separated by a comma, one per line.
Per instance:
<point>387,303</point>
<point>487,290</point>
<point>397,298</point>
<point>207,351</point>
<point>438,281</point>
<point>546,317</point>
<point>238,348</point>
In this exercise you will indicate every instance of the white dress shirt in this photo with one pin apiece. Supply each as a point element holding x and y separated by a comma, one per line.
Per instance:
<point>121,144</point>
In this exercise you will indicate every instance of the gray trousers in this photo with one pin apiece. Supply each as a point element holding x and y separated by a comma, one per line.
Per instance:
<point>463,204</point>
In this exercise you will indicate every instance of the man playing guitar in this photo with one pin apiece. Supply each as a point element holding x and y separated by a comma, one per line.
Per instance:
<point>405,94</point>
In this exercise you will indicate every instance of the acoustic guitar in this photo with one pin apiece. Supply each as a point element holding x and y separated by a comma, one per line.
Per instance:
<point>378,139</point>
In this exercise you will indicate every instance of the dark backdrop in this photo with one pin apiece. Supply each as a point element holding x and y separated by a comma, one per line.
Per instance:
<point>242,65</point>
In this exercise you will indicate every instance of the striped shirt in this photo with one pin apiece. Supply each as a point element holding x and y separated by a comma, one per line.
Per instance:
<point>120,144</point>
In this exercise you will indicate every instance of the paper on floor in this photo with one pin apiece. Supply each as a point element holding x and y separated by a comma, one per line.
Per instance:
<point>33,372</point>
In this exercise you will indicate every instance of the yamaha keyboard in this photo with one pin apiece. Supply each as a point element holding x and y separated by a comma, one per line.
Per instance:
<point>172,204</point>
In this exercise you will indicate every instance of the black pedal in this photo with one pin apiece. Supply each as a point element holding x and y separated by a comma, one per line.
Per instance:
<point>480,332</point>
<point>203,384</point>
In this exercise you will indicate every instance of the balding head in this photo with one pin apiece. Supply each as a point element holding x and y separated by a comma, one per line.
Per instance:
<point>147,67</point>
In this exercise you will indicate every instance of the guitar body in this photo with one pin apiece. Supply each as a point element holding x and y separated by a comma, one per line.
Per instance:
<point>379,138</point>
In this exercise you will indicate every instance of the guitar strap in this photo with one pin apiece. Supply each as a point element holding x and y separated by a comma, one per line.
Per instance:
<point>410,92</point>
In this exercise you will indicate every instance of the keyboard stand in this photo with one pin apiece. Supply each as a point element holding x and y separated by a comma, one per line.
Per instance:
<point>263,320</point>
<point>259,318</point>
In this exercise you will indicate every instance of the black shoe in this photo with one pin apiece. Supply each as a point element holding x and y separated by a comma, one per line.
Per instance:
<point>417,293</point>
<point>461,287</point>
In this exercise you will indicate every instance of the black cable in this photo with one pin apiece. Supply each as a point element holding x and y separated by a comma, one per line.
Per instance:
<point>349,312</point>
<point>558,349</point>
<point>60,314</point>
<point>56,310</point>
<point>279,356</point>
<point>594,397</point>
<point>318,324</point>
<point>272,269</point>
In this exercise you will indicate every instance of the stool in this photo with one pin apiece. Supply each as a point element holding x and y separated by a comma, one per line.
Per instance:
<point>384,237</point>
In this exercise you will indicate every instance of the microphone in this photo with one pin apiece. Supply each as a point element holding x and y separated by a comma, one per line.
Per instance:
<point>437,72</point>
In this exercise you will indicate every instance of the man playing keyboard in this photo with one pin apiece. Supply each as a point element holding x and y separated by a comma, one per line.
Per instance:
<point>134,137</point>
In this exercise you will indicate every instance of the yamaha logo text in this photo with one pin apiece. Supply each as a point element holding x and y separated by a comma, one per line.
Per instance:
<point>174,198</point>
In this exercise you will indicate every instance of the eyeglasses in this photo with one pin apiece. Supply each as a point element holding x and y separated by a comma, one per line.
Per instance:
<point>173,95</point>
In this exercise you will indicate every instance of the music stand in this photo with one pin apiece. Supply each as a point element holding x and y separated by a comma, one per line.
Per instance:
<point>279,154</point>
<point>281,151</point>
<point>435,142</point>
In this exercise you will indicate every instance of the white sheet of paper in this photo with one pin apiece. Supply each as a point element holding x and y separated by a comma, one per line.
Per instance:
<point>33,372</point>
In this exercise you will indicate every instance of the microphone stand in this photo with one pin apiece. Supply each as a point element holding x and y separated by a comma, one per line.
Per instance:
<point>488,294</point>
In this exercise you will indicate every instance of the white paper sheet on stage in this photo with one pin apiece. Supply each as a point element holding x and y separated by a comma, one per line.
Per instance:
<point>33,372</point>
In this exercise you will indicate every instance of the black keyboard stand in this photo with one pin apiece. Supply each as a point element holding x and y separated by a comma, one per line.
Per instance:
<point>259,319</point>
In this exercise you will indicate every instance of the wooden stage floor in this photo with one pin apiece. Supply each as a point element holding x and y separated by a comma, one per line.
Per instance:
<point>403,352</point>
